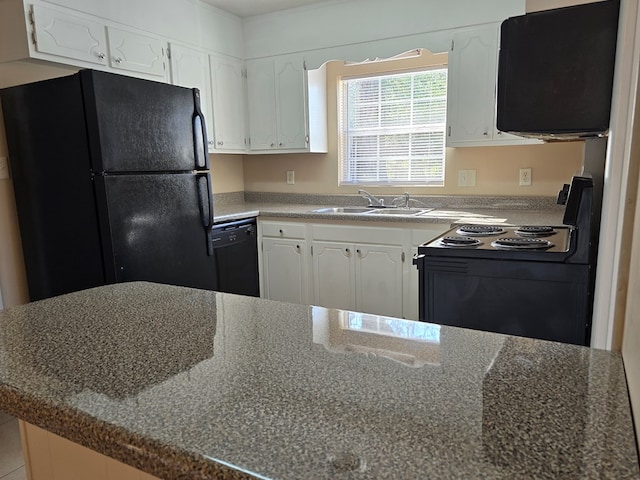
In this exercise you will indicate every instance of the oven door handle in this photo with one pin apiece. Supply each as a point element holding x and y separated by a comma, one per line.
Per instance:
<point>418,260</point>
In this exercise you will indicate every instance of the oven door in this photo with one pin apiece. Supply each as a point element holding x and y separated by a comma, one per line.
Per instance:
<point>549,301</point>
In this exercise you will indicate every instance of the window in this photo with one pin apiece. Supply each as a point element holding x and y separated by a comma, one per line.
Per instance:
<point>392,128</point>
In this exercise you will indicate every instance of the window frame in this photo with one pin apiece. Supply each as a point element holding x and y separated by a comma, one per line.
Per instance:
<point>344,177</point>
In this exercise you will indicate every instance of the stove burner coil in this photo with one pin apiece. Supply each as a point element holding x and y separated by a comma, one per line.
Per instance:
<point>459,242</point>
<point>479,230</point>
<point>521,244</point>
<point>535,231</point>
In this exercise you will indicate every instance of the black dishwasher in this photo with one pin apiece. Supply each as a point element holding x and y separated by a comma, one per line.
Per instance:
<point>235,247</point>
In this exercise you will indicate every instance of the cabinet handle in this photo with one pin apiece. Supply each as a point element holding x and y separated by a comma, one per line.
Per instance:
<point>101,56</point>
<point>346,250</point>
<point>273,144</point>
<point>298,247</point>
<point>220,143</point>
<point>281,232</point>
<point>210,142</point>
<point>117,60</point>
<point>280,144</point>
<point>485,133</point>
<point>358,251</point>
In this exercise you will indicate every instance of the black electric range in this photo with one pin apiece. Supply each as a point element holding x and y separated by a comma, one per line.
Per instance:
<point>530,280</point>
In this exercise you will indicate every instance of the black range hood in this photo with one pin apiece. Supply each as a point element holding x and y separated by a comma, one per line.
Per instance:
<point>555,72</point>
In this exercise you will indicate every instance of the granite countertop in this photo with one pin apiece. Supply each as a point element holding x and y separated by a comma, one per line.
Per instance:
<point>444,209</point>
<point>193,384</point>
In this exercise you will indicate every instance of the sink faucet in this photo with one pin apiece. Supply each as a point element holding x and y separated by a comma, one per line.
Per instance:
<point>404,199</point>
<point>373,200</point>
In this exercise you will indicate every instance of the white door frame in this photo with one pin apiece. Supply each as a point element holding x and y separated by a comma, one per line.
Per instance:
<point>616,191</point>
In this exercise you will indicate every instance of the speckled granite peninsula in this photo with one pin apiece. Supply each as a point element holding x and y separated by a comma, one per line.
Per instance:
<point>191,384</point>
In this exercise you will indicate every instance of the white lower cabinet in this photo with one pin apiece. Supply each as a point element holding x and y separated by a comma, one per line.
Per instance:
<point>361,277</point>
<point>334,275</point>
<point>284,260</point>
<point>284,269</point>
<point>350,267</point>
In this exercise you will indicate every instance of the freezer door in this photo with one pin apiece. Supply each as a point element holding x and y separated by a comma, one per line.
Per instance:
<point>159,228</point>
<point>137,125</point>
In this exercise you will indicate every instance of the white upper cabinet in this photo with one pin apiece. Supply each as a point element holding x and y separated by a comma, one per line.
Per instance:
<point>291,102</point>
<point>134,52</point>
<point>261,96</point>
<point>59,33</point>
<point>190,68</point>
<point>229,104</point>
<point>278,98</point>
<point>471,89</point>
<point>70,37</point>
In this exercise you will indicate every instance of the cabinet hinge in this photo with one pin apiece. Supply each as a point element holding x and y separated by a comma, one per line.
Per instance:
<point>32,21</point>
<point>304,65</point>
<point>168,53</point>
<point>402,256</point>
<point>312,250</point>
<point>452,44</point>
<point>449,130</point>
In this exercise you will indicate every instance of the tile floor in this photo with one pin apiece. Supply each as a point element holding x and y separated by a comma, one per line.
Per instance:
<point>11,460</point>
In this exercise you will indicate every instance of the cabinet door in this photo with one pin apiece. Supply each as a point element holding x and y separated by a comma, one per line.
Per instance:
<point>334,275</point>
<point>190,68</point>
<point>134,52</point>
<point>379,279</point>
<point>291,101</point>
<point>284,270</point>
<point>471,85</point>
<point>262,105</point>
<point>69,36</point>
<point>229,105</point>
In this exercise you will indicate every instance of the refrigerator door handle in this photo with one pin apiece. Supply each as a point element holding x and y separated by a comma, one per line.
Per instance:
<point>200,149</point>
<point>206,199</point>
<point>205,196</point>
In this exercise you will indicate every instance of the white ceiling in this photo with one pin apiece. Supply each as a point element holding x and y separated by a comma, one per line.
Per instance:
<point>248,8</point>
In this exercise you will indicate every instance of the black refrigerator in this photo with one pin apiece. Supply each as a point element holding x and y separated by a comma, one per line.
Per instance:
<point>112,183</point>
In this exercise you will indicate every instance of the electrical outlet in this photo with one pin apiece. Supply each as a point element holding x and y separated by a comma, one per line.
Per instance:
<point>291,177</point>
<point>4,168</point>
<point>471,178</point>
<point>525,177</point>
<point>462,178</point>
<point>466,178</point>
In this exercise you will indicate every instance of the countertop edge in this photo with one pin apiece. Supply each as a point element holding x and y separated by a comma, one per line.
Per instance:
<point>146,454</point>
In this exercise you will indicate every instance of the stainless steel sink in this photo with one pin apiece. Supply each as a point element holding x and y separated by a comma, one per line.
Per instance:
<point>351,210</point>
<point>372,211</point>
<point>401,211</point>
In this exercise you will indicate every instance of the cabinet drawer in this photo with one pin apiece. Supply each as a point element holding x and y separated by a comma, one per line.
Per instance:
<point>354,234</point>
<point>282,229</point>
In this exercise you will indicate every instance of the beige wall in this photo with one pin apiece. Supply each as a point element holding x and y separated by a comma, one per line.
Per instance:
<point>497,168</point>
<point>227,173</point>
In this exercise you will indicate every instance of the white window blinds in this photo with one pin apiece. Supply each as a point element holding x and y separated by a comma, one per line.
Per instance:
<point>392,128</point>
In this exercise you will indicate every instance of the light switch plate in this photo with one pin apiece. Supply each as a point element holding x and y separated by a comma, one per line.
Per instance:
<point>4,168</point>
<point>291,177</point>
